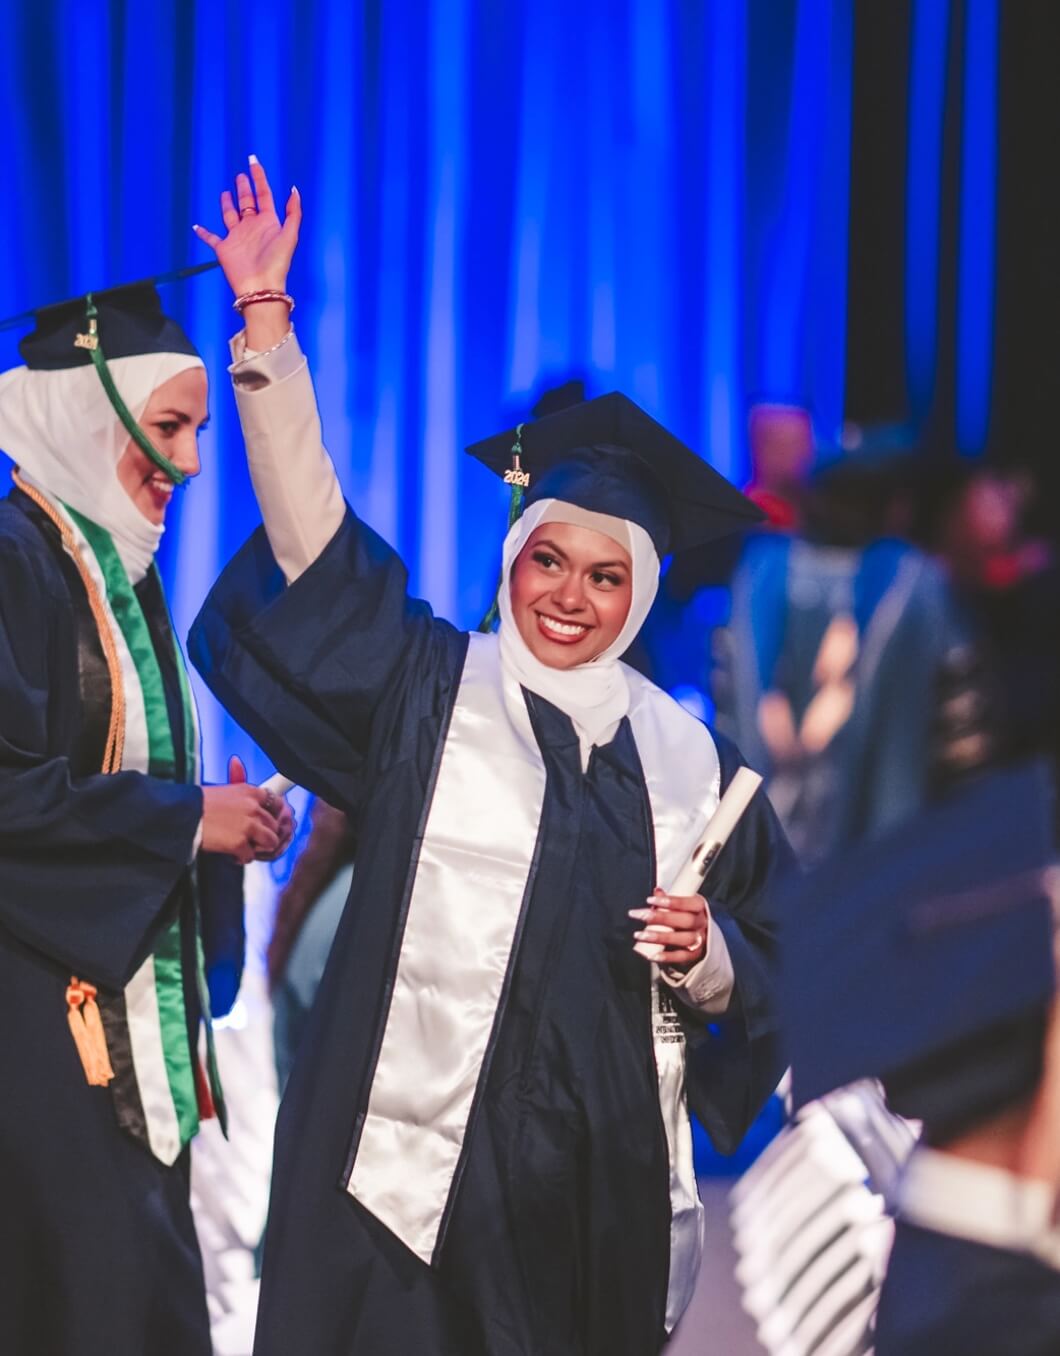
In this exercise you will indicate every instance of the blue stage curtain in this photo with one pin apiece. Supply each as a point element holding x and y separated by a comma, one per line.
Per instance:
<point>648,193</point>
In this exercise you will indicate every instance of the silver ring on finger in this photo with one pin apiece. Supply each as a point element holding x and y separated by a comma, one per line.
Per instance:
<point>248,211</point>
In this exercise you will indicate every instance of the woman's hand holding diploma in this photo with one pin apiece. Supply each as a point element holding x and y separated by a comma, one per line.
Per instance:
<point>676,927</point>
<point>256,252</point>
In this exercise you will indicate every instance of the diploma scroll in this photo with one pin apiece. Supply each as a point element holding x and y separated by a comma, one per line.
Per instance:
<point>714,837</point>
<point>277,784</point>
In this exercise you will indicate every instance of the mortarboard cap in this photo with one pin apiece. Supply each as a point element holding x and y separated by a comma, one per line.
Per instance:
<point>117,322</point>
<point>925,959</point>
<point>129,321</point>
<point>609,456</point>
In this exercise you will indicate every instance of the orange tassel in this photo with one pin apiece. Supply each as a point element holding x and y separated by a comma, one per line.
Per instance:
<point>86,1027</point>
<point>94,1027</point>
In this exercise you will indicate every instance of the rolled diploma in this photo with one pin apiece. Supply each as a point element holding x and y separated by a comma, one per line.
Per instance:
<point>278,784</point>
<point>714,837</point>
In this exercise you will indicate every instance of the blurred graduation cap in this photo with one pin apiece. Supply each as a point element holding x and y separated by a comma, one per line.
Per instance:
<point>117,322</point>
<point>609,456</point>
<point>925,959</point>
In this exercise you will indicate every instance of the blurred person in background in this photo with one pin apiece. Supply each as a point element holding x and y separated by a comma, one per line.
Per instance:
<point>307,913</point>
<point>781,447</point>
<point>978,521</point>
<point>846,670</point>
<point>941,941</point>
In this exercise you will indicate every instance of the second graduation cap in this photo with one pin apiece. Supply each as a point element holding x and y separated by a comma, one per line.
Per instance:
<point>609,456</point>
<point>925,959</point>
<point>116,322</point>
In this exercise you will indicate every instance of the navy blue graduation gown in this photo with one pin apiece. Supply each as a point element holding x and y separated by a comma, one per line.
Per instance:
<point>557,1238</point>
<point>98,1253</point>
<point>947,1295</point>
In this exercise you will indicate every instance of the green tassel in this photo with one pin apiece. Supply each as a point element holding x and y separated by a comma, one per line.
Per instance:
<point>515,512</point>
<point>122,410</point>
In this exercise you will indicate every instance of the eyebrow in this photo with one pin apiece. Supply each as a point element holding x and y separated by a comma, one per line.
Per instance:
<point>596,565</point>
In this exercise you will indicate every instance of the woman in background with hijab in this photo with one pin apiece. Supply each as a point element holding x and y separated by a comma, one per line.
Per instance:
<point>114,861</point>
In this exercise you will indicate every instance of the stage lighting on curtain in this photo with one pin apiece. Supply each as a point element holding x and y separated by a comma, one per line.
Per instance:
<point>976,266</point>
<point>803,299</point>
<point>495,197</point>
<point>923,222</point>
<point>953,47</point>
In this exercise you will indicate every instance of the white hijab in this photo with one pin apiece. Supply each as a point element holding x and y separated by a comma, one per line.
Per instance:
<point>595,695</point>
<point>62,432</point>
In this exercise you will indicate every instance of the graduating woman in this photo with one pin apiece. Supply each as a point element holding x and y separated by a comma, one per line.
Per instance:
<point>110,878</point>
<point>484,1147</point>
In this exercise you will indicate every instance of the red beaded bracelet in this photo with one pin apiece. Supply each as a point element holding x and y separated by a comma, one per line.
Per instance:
<point>252,298</point>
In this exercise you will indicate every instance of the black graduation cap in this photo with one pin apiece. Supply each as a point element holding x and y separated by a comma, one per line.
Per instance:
<point>925,959</point>
<point>607,455</point>
<point>129,321</point>
<point>117,322</point>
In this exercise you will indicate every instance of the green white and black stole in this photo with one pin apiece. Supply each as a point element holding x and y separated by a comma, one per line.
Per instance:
<point>156,1087</point>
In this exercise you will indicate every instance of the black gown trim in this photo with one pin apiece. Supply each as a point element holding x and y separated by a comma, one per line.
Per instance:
<point>491,1044</point>
<point>125,1089</point>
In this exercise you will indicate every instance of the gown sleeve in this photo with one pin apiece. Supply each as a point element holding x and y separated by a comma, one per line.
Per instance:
<point>304,668</point>
<point>88,865</point>
<point>303,645</point>
<point>735,1061</point>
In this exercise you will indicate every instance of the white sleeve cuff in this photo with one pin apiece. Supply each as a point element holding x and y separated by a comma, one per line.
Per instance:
<point>708,985</point>
<point>251,369</point>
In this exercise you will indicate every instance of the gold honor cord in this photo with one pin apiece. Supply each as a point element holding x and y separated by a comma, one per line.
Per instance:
<point>115,745</point>
<point>90,342</point>
<point>82,1011</point>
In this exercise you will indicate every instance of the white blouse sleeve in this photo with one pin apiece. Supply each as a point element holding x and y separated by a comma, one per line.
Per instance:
<point>708,985</point>
<point>297,489</point>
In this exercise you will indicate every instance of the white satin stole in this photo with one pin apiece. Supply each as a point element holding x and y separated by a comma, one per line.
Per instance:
<point>470,881</point>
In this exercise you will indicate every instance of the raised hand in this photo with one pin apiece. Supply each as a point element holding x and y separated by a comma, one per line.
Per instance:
<point>256,251</point>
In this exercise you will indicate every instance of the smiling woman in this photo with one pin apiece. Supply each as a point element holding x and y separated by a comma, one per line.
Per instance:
<point>485,1149</point>
<point>119,874</point>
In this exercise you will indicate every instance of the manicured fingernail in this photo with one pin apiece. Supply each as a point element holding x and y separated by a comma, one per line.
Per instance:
<point>195,226</point>
<point>253,159</point>
<point>658,900</point>
<point>294,190</point>
<point>642,914</point>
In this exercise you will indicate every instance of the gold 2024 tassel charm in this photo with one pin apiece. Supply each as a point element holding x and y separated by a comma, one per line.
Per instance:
<point>86,1027</point>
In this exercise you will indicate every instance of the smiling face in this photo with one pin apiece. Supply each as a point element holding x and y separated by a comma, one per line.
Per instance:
<point>172,420</point>
<point>571,589</point>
